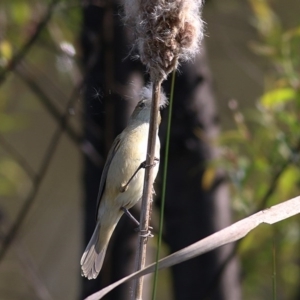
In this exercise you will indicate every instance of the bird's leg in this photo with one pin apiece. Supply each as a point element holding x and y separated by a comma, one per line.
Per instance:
<point>141,166</point>
<point>131,217</point>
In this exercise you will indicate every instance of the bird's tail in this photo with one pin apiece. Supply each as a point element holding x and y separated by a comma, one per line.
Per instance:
<point>93,256</point>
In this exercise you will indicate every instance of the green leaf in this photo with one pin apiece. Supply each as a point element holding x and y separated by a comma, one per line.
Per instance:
<point>277,97</point>
<point>288,181</point>
<point>20,12</point>
<point>5,49</point>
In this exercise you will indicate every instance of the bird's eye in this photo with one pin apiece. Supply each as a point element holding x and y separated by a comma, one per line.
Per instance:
<point>142,104</point>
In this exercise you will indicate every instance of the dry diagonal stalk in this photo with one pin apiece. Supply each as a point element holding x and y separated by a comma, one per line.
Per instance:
<point>232,233</point>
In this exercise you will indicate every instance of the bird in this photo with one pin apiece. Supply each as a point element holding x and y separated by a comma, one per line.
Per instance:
<point>121,184</point>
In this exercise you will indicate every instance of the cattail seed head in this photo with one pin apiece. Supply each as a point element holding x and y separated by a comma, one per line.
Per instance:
<point>166,31</point>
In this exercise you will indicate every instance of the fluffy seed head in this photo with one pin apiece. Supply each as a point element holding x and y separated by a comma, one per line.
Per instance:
<point>166,31</point>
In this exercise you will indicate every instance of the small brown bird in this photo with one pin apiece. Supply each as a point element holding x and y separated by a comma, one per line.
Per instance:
<point>121,184</point>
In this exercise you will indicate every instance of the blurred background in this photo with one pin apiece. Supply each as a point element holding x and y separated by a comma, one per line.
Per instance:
<point>66,90</point>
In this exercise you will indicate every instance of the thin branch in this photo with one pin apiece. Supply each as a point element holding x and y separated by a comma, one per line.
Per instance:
<point>84,145</point>
<point>45,80</point>
<point>41,175</point>
<point>26,47</point>
<point>47,103</point>
<point>21,161</point>
<point>148,186</point>
<point>276,178</point>
<point>87,148</point>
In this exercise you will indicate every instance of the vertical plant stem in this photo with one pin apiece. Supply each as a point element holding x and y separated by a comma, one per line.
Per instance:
<point>147,191</point>
<point>163,193</point>
<point>274,286</point>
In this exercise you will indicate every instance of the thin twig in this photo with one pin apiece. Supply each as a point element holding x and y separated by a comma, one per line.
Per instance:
<point>84,145</point>
<point>47,103</point>
<point>26,47</point>
<point>148,185</point>
<point>44,79</point>
<point>47,159</point>
<point>40,177</point>
<point>22,162</point>
<point>275,179</point>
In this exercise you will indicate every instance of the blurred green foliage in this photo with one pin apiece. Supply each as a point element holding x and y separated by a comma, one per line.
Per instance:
<point>51,56</point>
<point>262,158</point>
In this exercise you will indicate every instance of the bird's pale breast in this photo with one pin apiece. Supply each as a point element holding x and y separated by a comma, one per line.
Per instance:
<point>130,154</point>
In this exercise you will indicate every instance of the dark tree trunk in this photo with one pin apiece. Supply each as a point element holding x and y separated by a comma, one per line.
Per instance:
<point>106,114</point>
<point>192,210</point>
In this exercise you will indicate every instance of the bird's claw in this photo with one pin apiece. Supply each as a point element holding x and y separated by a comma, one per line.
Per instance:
<point>144,166</point>
<point>147,233</point>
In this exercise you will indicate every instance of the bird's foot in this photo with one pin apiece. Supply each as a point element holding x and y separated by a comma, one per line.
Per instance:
<point>155,162</point>
<point>146,233</point>
<point>143,165</point>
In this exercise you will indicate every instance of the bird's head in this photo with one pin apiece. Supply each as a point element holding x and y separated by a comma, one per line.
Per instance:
<point>143,108</point>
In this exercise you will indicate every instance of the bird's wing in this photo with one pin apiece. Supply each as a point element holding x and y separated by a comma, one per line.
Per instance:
<point>115,146</point>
